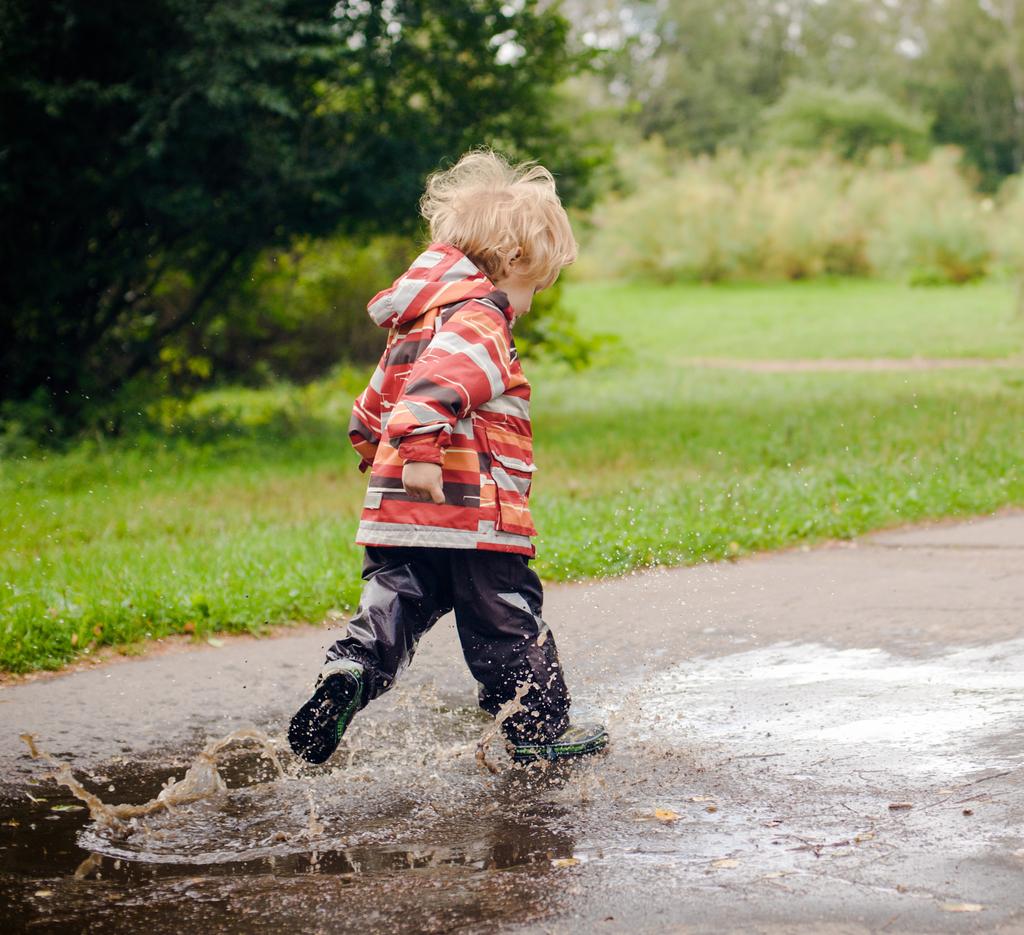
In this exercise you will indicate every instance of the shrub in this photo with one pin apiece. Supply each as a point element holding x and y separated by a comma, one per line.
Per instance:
<point>789,215</point>
<point>304,309</point>
<point>932,225</point>
<point>1007,215</point>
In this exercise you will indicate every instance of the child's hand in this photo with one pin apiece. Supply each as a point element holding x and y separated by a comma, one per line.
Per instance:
<point>422,481</point>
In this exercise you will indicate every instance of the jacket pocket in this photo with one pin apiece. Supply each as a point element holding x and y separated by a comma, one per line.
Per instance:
<point>513,478</point>
<point>510,471</point>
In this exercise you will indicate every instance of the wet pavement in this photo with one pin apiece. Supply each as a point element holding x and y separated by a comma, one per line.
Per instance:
<point>817,741</point>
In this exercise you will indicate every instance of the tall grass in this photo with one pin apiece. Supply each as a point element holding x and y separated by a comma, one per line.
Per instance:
<point>797,216</point>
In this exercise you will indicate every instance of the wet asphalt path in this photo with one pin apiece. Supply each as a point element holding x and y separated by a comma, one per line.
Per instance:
<point>818,741</point>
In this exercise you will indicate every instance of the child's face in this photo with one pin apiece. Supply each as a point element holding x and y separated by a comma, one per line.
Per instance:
<point>520,291</point>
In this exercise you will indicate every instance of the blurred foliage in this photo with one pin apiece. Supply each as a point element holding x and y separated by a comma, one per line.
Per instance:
<point>278,410</point>
<point>849,123</point>
<point>551,331</point>
<point>298,330</point>
<point>971,77</point>
<point>700,74</point>
<point>1009,244</point>
<point>198,191</point>
<point>152,152</point>
<point>304,309</point>
<point>716,65</point>
<point>794,215</point>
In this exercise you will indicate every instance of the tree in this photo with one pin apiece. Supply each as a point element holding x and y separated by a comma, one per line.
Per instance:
<point>717,64</point>
<point>973,79</point>
<point>851,123</point>
<point>149,152</point>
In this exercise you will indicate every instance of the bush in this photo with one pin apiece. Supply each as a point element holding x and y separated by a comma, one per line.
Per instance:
<point>304,309</point>
<point>789,215</point>
<point>932,225</point>
<point>1006,212</point>
<point>1008,233</point>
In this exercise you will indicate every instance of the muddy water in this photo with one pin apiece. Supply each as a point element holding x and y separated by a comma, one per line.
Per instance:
<point>788,782</point>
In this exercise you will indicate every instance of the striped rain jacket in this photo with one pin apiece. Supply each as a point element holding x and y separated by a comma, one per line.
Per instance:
<point>449,389</point>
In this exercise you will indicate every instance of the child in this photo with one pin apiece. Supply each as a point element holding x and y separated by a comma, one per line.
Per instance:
<point>444,428</point>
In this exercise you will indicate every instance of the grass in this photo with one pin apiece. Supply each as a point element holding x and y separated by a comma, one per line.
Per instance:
<point>245,517</point>
<point>815,319</point>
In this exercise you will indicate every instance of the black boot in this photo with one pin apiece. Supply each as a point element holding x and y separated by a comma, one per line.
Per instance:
<point>318,726</point>
<point>575,740</point>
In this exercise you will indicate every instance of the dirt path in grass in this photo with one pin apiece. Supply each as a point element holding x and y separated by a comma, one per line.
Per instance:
<point>817,740</point>
<point>850,364</point>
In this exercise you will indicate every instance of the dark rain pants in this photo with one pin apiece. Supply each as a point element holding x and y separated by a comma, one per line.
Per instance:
<point>497,599</point>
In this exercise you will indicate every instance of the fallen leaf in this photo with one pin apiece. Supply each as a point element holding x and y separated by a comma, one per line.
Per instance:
<point>866,836</point>
<point>666,814</point>
<point>900,806</point>
<point>565,862</point>
<point>213,641</point>
<point>726,863</point>
<point>33,798</point>
<point>44,893</point>
<point>774,875</point>
<point>711,808</point>
<point>702,798</point>
<point>74,639</point>
<point>968,811</point>
<point>961,907</point>
<point>189,627</point>
<point>66,808</point>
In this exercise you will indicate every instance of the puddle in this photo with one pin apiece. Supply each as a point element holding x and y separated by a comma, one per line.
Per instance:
<point>765,773</point>
<point>932,715</point>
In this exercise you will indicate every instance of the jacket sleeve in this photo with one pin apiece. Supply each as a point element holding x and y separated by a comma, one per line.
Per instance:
<point>467,363</point>
<point>364,428</point>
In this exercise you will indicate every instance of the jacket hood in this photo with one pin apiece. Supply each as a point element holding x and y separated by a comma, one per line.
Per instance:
<point>441,275</point>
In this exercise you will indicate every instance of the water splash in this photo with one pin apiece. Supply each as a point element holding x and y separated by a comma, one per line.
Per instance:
<point>513,706</point>
<point>202,780</point>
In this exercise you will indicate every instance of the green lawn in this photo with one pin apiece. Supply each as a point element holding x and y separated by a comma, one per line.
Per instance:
<point>814,319</point>
<point>247,518</point>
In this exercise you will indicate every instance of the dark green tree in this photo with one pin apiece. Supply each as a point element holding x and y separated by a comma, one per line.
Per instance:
<point>149,152</point>
<point>972,76</point>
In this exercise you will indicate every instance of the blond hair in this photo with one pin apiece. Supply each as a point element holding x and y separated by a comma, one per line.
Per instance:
<point>495,212</point>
